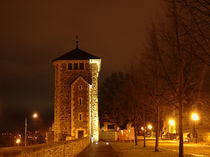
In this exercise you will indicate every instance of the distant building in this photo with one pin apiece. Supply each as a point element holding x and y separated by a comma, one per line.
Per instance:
<point>76,95</point>
<point>7,139</point>
<point>199,129</point>
<point>108,126</point>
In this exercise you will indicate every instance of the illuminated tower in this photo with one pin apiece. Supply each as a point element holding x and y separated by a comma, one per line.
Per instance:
<point>76,95</point>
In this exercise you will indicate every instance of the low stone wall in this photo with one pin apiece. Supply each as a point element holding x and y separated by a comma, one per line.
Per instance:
<point>108,136</point>
<point>60,149</point>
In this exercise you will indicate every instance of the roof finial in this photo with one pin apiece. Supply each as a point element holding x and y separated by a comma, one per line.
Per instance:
<point>77,41</point>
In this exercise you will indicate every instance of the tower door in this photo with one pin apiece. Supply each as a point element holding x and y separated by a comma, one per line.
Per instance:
<point>80,133</point>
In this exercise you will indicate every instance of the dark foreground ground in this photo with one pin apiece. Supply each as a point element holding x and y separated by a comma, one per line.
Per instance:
<point>167,149</point>
<point>98,150</point>
<point>129,149</point>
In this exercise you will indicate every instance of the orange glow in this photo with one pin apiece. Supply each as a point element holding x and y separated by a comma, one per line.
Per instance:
<point>194,116</point>
<point>18,140</point>
<point>150,127</point>
<point>171,122</point>
<point>35,115</point>
<point>122,132</point>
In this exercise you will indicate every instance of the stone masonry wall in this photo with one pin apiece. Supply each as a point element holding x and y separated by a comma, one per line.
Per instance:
<point>62,107</point>
<point>80,90</point>
<point>108,136</point>
<point>94,103</point>
<point>59,149</point>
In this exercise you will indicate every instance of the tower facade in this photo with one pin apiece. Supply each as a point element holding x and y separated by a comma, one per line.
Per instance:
<point>76,96</point>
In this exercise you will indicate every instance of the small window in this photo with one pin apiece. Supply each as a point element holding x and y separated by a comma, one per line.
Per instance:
<point>75,66</point>
<point>110,126</point>
<point>80,87</point>
<point>80,117</point>
<point>80,101</point>
<point>70,66</point>
<point>81,66</point>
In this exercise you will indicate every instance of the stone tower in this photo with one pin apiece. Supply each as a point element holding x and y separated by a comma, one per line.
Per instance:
<point>76,95</point>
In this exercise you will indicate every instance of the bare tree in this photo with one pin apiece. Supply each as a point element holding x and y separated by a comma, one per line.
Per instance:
<point>179,69</point>
<point>134,109</point>
<point>154,81</point>
<point>194,18</point>
<point>111,99</point>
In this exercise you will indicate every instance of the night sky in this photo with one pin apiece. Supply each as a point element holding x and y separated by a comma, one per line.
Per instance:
<point>34,32</point>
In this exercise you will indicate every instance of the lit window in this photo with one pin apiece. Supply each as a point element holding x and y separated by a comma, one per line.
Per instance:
<point>75,66</point>
<point>81,66</point>
<point>70,66</point>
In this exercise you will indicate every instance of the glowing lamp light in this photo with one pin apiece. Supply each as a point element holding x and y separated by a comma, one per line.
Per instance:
<point>149,127</point>
<point>35,115</point>
<point>171,122</point>
<point>107,143</point>
<point>142,128</point>
<point>122,132</point>
<point>18,140</point>
<point>194,116</point>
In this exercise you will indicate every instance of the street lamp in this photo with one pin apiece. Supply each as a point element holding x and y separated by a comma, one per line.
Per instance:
<point>171,126</point>
<point>18,141</point>
<point>171,122</point>
<point>195,118</point>
<point>149,127</point>
<point>35,115</point>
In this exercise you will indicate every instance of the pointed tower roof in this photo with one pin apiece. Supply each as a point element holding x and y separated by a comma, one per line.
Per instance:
<point>76,54</point>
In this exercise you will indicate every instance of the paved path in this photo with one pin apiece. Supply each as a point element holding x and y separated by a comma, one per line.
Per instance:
<point>98,150</point>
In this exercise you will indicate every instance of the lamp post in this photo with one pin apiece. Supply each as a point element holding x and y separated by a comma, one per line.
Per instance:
<point>171,126</point>
<point>171,129</point>
<point>195,118</point>
<point>35,115</point>
<point>25,131</point>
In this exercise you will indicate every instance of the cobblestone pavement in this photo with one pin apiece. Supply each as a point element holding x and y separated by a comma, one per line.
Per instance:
<point>98,150</point>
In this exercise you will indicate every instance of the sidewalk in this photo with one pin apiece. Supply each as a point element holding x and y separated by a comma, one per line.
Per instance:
<point>98,150</point>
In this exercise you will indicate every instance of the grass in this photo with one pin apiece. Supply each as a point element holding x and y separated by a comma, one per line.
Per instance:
<point>131,150</point>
